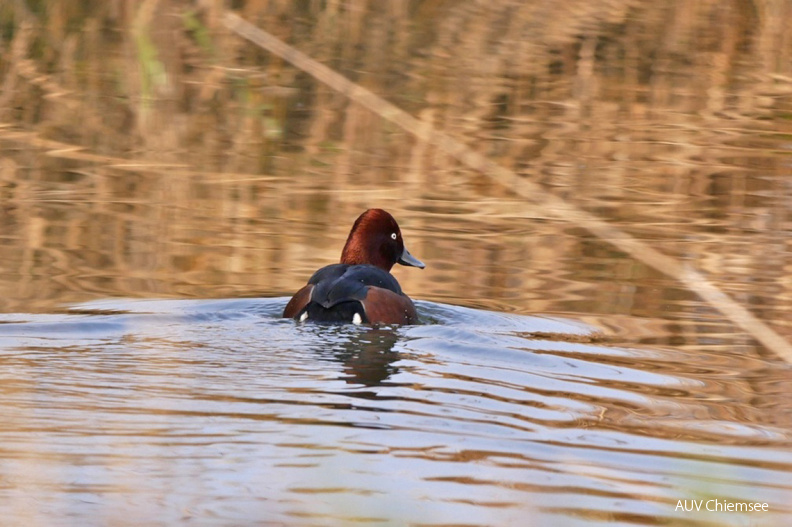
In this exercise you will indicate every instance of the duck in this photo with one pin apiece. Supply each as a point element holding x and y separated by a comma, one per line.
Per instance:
<point>360,289</point>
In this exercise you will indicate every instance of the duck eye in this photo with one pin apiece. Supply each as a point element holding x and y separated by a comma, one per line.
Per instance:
<point>393,236</point>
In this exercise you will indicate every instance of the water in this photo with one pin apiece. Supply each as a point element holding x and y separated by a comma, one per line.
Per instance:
<point>166,185</point>
<point>161,412</point>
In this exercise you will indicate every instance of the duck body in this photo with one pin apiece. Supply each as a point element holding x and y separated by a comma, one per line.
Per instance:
<point>360,289</point>
<point>362,294</point>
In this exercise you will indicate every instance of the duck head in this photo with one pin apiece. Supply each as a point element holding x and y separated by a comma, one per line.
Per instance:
<point>376,239</point>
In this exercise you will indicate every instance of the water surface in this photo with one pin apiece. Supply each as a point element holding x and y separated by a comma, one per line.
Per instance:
<point>221,412</point>
<point>165,185</point>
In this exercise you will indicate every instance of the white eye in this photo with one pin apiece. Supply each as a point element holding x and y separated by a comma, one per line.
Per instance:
<point>393,236</point>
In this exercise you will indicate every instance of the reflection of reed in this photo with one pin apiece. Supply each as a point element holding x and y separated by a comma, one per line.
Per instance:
<point>667,119</point>
<point>546,203</point>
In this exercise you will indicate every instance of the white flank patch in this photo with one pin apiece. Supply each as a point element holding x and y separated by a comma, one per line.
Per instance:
<point>304,317</point>
<point>356,319</point>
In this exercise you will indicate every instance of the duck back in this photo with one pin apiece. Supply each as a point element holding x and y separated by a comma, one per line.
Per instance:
<point>352,293</point>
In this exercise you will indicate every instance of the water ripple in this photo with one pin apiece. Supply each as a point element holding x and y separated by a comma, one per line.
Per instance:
<point>486,414</point>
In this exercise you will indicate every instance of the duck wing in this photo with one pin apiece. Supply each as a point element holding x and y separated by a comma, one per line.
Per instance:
<point>339,283</point>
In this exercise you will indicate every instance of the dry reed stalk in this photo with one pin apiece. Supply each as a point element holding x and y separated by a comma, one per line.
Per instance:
<point>543,201</point>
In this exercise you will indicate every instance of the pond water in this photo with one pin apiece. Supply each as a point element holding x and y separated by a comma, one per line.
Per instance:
<point>223,413</point>
<point>165,185</point>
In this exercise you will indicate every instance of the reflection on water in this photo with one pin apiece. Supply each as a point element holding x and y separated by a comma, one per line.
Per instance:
<point>178,410</point>
<point>145,152</point>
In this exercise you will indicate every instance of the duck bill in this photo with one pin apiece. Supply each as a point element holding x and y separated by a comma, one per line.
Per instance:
<point>409,259</point>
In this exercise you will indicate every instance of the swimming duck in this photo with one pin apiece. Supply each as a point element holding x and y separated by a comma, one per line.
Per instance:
<point>360,289</point>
